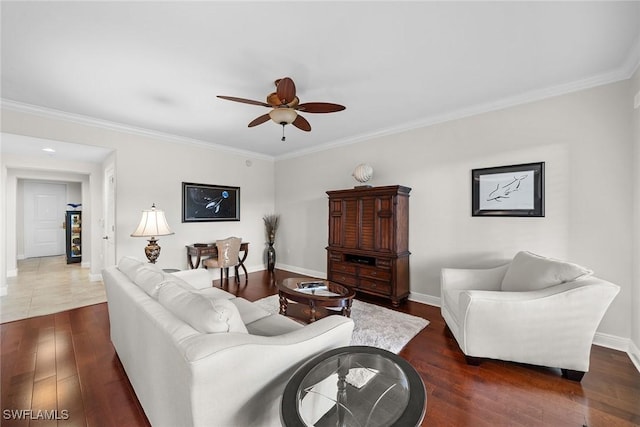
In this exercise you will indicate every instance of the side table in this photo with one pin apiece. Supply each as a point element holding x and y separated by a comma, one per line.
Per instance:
<point>354,386</point>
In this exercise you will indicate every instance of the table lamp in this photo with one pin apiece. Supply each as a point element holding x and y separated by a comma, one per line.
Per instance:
<point>153,223</point>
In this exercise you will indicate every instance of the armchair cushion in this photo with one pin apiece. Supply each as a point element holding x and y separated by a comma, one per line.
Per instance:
<point>531,272</point>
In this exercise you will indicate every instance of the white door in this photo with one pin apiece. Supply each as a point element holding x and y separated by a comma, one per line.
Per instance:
<point>109,233</point>
<point>44,210</point>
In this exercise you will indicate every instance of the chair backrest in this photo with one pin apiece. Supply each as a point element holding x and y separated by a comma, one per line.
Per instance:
<point>228,251</point>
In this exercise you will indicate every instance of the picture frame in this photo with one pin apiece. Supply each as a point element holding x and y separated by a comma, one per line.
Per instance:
<point>207,203</point>
<point>510,191</point>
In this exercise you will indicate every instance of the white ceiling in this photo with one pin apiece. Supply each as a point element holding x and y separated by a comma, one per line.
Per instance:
<point>157,66</point>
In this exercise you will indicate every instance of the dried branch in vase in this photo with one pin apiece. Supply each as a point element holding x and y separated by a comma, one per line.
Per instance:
<point>271,223</point>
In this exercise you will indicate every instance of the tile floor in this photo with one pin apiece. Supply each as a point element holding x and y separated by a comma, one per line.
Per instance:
<point>48,285</point>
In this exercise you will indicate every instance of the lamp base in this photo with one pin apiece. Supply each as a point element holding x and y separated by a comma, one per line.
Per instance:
<point>152,250</point>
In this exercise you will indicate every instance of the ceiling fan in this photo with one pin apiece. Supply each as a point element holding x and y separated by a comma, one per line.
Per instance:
<point>285,105</point>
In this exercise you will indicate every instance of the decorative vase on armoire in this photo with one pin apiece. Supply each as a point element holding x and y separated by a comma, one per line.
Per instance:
<point>271,223</point>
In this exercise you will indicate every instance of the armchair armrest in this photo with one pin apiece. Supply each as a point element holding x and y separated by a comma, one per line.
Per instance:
<point>549,327</point>
<point>489,279</point>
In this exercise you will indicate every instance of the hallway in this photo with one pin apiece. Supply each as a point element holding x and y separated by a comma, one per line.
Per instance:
<point>48,285</point>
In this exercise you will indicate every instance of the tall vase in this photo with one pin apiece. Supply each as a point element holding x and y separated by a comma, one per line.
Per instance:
<point>271,257</point>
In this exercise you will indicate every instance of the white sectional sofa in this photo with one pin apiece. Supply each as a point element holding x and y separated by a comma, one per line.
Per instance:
<point>198,356</point>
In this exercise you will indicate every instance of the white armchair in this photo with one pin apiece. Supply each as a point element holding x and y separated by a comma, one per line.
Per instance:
<point>533,310</point>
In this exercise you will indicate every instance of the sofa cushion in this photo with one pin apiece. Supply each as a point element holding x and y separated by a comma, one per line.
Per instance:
<point>149,278</point>
<point>234,320</point>
<point>530,272</point>
<point>129,266</point>
<point>249,312</point>
<point>216,293</point>
<point>273,325</point>
<point>206,315</point>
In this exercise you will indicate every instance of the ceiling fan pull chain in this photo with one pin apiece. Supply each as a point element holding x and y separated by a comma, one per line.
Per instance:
<point>283,137</point>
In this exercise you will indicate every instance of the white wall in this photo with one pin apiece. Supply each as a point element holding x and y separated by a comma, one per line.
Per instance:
<point>585,140</point>
<point>635,319</point>
<point>151,170</point>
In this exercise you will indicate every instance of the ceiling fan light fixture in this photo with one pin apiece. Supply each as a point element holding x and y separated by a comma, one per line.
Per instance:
<point>283,116</point>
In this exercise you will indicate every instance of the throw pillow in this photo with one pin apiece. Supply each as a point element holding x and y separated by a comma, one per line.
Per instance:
<point>129,266</point>
<point>234,320</point>
<point>530,272</point>
<point>149,278</point>
<point>203,314</point>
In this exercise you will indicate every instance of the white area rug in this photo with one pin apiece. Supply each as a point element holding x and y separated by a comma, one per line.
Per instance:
<point>374,325</point>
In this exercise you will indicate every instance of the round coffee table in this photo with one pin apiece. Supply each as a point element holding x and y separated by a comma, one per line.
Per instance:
<point>354,386</point>
<point>313,298</point>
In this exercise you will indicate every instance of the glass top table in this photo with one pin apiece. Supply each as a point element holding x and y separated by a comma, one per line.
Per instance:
<point>315,298</point>
<point>354,386</point>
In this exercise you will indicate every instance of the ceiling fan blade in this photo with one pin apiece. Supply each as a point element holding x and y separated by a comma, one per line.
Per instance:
<point>244,100</point>
<point>320,107</point>
<point>259,120</point>
<point>301,123</point>
<point>286,90</point>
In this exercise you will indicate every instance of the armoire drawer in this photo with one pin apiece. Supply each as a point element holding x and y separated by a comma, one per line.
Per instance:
<point>375,273</point>
<point>343,267</point>
<point>375,286</point>
<point>345,279</point>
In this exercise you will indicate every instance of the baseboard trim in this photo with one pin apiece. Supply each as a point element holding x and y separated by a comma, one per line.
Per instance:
<point>303,271</point>
<point>634,354</point>
<point>621,344</point>
<point>4,290</point>
<point>424,299</point>
<point>12,273</point>
<point>611,341</point>
<point>95,277</point>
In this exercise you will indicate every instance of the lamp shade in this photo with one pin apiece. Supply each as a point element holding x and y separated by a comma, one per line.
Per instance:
<point>153,223</point>
<point>283,116</point>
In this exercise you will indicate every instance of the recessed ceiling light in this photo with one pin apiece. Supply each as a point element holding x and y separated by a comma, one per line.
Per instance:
<point>49,150</point>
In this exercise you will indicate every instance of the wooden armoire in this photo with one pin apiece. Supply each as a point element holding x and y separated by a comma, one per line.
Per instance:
<point>369,240</point>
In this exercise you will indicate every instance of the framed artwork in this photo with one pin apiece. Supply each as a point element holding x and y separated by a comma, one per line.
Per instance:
<point>203,202</point>
<point>516,190</point>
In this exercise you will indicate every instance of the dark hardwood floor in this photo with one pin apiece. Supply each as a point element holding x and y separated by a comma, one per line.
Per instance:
<point>64,364</point>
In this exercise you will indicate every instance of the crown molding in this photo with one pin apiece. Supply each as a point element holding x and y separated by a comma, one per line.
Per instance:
<point>51,113</point>
<point>622,73</point>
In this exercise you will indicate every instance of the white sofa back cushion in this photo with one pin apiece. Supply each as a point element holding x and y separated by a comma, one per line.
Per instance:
<point>129,266</point>
<point>531,272</point>
<point>206,315</point>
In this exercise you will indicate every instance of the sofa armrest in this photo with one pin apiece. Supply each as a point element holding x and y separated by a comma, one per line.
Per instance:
<point>205,345</point>
<point>489,279</point>
<point>243,381</point>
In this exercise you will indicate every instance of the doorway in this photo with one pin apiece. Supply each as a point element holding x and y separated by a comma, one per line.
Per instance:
<point>44,210</point>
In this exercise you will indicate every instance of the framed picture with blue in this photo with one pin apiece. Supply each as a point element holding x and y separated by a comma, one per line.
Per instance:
<point>516,190</point>
<point>206,203</point>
